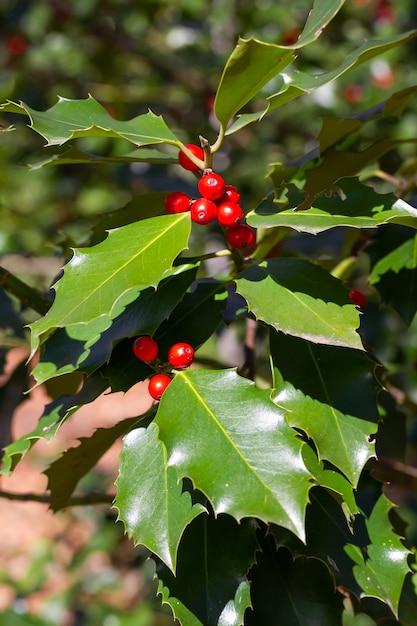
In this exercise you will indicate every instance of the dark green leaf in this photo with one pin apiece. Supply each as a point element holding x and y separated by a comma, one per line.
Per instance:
<point>149,498</point>
<point>403,257</point>
<point>233,442</point>
<point>294,592</point>
<point>301,299</point>
<point>350,387</point>
<point>209,588</point>
<point>73,155</point>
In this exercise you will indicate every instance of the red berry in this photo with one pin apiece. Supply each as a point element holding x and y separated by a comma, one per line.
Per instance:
<point>185,162</point>
<point>229,214</point>
<point>241,236</point>
<point>181,355</point>
<point>145,348</point>
<point>203,211</point>
<point>157,385</point>
<point>358,297</point>
<point>211,186</point>
<point>230,194</point>
<point>177,202</point>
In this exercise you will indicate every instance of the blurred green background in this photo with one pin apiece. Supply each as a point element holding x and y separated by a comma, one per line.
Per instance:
<point>166,56</point>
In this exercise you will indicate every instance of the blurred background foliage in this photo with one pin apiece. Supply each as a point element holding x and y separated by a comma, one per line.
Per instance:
<point>168,56</point>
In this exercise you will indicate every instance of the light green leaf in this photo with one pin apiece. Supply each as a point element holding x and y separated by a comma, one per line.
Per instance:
<point>69,119</point>
<point>294,83</point>
<point>352,205</point>
<point>301,299</point>
<point>149,498</point>
<point>99,282</point>
<point>233,442</point>
<point>381,574</point>
<point>403,257</point>
<point>342,439</point>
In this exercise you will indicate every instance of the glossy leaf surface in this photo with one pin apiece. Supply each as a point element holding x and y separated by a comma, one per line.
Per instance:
<point>99,282</point>
<point>149,498</point>
<point>69,119</point>
<point>233,442</point>
<point>300,299</point>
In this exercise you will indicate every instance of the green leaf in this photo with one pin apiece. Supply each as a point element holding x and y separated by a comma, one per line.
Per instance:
<point>301,299</point>
<point>352,205</point>
<point>351,387</point>
<point>210,588</point>
<point>292,591</point>
<point>149,498</point>
<point>341,439</point>
<point>64,473</point>
<point>69,119</point>
<point>254,63</point>
<point>403,257</point>
<point>99,282</point>
<point>381,572</point>
<point>294,83</point>
<point>63,354</point>
<point>233,442</point>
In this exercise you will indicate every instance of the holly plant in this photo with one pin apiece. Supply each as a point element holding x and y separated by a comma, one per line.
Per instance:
<point>257,483</point>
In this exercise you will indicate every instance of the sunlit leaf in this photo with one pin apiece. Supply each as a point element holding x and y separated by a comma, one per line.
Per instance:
<point>69,119</point>
<point>403,257</point>
<point>100,282</point>
<point>300,299</point>
<point>149,497</point>
<point>233,442</point>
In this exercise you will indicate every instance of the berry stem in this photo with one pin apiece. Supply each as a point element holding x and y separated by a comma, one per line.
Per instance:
<point>208,157</point>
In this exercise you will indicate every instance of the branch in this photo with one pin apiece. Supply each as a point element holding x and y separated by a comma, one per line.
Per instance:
<point>44,498</point>
<point>26,294</point>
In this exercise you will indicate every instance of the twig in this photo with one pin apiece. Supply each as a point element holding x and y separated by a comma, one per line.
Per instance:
<point>26,294</point>
<point>45,498</point>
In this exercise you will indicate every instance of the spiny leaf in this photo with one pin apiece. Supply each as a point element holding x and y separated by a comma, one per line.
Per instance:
<point>403,257</point>
<point>352,205</point>
<point>73,155</point>
<point>233,442</point>
<point>381,574</point>
<point>341,439</point>
<point>210,586</point>
<point>63,354</point>
<point>149,498</point>
<point>351,387</point>
<point>69,119</point>
<point>99,282</point>
<point>64,473</point>
<point>300,299</point>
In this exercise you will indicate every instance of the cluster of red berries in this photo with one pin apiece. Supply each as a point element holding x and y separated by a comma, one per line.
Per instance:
<point>217,201</point>
<point>180,356</point>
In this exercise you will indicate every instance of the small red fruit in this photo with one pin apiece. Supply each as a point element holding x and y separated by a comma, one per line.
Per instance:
<point>203,211</point>
<point>211,186</point>
<point>240,237</point>
<point>181,355</point>
<point>185,162</point>
<point>358,297</point>
<point>229,214</point>
<point>230,194</point>
<point>177,202</point>
<point>145,348</point>
<point>157,385</point>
